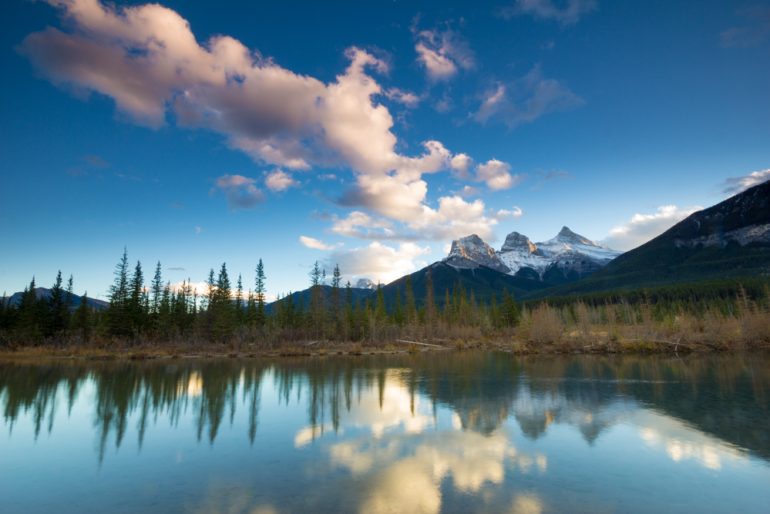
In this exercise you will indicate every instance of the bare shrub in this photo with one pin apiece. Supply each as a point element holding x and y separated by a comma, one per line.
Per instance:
<point>546,325</point>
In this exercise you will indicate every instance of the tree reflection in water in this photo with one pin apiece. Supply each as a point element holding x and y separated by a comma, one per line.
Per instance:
<point>483,389</point>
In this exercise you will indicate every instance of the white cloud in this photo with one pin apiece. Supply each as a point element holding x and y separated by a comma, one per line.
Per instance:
<point>406,98</point>
<point>525,99</point>
<point>514,213</point>
<point>279,180</point>
<point>315,244</point>
<point>442,53</point>
<point>643,227</point>
<point>273,114</point>
<point>564,12</point>
<point>240,191</point>
<point>461,165</point>
<point>735,185</point>
<point>379,262</point>
<point>363,226</point>
<point>497,175</point>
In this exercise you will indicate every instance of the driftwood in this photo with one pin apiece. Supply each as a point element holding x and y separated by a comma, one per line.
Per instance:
<point>311,343</point>
<point>420,344</point>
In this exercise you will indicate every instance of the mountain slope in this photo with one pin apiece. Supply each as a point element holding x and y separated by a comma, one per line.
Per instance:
<point>728,240</point>
<point>43,293</point>
<point>484,282</point>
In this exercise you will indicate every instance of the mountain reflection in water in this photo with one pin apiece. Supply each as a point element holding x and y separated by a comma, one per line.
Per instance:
<point>452,432</point>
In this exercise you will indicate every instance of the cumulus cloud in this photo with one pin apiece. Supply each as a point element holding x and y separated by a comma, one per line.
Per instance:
<point>379,262</point>
<point>643,227</point>
<point>315,244</point>
<point>735,185</point>
<point>497,175</point>
<point>442,53</point>
<point>525,99</point>
<point>461,165</point>
<point>363,226</point>
<point>273,114</point>
<point>240,191</point>
<point>565,12</point>
<point>754,30</point>
<point>279,180</point>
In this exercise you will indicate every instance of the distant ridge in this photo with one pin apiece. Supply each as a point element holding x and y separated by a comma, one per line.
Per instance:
<point>730,240</point>
<point>43,293</point>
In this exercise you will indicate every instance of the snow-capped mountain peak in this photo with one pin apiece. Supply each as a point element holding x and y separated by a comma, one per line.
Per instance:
<point>365,283</point>
<point>571,254</point>
<point>471,251</point>
<point>518,242</point>
<point>567,236</point>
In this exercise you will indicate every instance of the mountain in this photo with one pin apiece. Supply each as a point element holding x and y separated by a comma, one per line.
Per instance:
<point>483,281</point>
<point>567,257</point>
<point>43,293</point>
<point>301,299</point>
<point>730,240</point>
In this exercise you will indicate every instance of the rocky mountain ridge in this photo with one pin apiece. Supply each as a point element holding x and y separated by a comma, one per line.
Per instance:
<point>568,254</point>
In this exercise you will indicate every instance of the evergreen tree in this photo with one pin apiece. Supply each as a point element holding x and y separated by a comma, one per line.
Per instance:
<point>136,300</point>
<point>69,298</point>
<point>29,315</point>
<point>211,289</point>
<point>336,300</point>
<point>316,300</point>
<point>411,304</point>
<point>118,315</point>
<point>239,314</point>
<point>156,289</point>
<point>260,291</point>
<point>251,310</point>
<point>81,321</point>
<point>57,308</point>
<point>430,304</point>
<point>510,310</point>
<point>221,307</point>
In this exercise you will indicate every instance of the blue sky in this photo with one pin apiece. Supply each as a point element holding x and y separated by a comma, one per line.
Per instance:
<point>368,133</point>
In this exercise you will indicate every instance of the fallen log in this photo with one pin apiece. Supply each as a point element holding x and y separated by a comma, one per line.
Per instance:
<point>420,344</point>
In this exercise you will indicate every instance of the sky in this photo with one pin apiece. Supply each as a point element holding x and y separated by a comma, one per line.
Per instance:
<point>364,134</point>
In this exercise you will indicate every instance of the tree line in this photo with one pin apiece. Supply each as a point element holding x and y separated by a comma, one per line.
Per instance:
<point>228,311</point>
<point>160,311</point>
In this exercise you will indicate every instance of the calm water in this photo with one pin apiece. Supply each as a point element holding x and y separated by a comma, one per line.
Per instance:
<point>461,432</point>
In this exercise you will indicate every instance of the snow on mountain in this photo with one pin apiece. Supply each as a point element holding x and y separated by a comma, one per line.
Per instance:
<point>365,283</point>
<point>470,251</point>
<point>568,252</point>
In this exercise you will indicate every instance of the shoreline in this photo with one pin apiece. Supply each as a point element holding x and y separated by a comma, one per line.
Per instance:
<point>149,351</point>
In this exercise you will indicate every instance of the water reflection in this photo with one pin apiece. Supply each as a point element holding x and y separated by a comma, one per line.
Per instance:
<point>425,433</point>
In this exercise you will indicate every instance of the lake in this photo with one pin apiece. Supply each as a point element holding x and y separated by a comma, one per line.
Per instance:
<point>431,432</point>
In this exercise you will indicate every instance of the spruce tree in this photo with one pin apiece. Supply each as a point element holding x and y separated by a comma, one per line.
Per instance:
<point>136,299</point>
<point>430,304</point>
<point>510,310</point>
<point>81,320</point>
<point>69,300</point>
<point>56,308</point>
<point>30,314</point>
<point>156,289</point>
<point>239,314</point>
<point>118,316</point>
<point>259,292</point>
<point>316,300</point>
<point>336,299</point>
